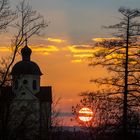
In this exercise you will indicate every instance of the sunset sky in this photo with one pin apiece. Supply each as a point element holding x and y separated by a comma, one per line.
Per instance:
<point>68,41</point>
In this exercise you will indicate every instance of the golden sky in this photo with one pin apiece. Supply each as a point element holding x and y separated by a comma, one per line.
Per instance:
<point>62,53</point>
<point>64,67</point>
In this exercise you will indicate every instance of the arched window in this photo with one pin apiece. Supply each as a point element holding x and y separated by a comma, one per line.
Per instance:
<point>16,84</point>
<point>34,85</point>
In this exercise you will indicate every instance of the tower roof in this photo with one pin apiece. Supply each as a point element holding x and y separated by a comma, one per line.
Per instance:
<point>26,53</point>
<point>25,66</point>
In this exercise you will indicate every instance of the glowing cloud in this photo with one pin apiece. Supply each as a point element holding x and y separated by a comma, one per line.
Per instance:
<point>77,61</point>
<point>56,40</point>
<point>5,49</point>
<point>81,49</point>
<point>49,48</point>
<point>45,49</point>
<point>41,49</point>
<point>102,39</point>
<point>82,55</point>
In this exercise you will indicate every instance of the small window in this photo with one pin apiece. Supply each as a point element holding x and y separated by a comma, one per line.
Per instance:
<point>25,81</point>
<point>16,84</point>
<point>34,85</point>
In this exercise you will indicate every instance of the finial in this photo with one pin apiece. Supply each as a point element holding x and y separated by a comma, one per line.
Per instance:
<point>26,51</point>
<point>26,41</point>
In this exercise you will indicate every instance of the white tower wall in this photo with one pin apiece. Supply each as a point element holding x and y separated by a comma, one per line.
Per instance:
<point>26,83</point>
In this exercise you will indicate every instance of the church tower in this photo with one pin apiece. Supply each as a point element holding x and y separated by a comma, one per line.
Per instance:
<point>26,75</point>
<point>31,103</point>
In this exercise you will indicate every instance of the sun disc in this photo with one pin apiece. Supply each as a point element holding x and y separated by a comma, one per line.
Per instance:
<point>85,114</point>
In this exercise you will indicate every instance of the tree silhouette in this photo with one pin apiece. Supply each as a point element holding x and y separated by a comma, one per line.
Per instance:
<point>7,15</point>
<point>106,114</point>
<point>27,24</point>
<point>3,66</point>
<point>121,57</point>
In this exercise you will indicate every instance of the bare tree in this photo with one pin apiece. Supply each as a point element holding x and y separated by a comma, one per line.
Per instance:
<point>6,15</point>
<point>121,58</point>
<point>106,114</point>
<point>56,112</point>
<point>3,66</point>
<point>28,23</point>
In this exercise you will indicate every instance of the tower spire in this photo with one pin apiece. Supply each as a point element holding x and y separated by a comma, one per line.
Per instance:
<point>26,42</point>
<point>26,51</point>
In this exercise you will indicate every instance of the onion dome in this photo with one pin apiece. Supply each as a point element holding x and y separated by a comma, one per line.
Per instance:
<point>26,53</point>
<point>26,66</point>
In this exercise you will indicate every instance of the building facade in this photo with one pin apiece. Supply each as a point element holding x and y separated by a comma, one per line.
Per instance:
<point>29,112</point>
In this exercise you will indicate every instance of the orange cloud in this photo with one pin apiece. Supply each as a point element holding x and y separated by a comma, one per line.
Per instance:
<point>77,61</point>
<point>5,49</point>
<point>82,55</point>
<point>46,50</point>
<point>81,52</point>
<point>41,49</point>
<point>49,48</point>
<point>81,49</point>
<point>56,40</point>
<point>102,39</point>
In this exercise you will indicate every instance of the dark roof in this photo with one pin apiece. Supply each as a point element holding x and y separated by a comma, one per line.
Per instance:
<point>26,53</point>
<point>6,93</point>
<point>45,94</point>
<point>26,67</point>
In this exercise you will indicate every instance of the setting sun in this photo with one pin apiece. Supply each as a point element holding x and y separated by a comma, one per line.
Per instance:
<point>85,114</point>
